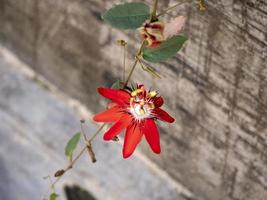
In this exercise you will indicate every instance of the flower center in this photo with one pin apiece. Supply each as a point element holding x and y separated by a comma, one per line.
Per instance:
<point>141,105</point>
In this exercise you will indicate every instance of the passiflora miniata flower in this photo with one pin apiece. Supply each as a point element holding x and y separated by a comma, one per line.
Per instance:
<point>136,111</point>
<point>156,32</point>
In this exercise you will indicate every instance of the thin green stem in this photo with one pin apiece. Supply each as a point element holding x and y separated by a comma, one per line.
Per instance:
<point>97,132</point>
<point>124,63</point>
<point>134,64</point>
<point>148,69</point>
<point>154,11</point>
<point>72,163</point>
<point>76,158</point>
<point>171,7</point>
<point>69,166</point>
<point>83,133</point>
<point>130,73</point>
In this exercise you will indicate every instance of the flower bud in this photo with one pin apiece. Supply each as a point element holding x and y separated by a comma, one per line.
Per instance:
<point>152,32</point>
<point>59,173</point>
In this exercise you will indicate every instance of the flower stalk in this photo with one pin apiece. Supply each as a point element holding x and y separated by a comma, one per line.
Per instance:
<point>149,70</point>
<point>70,166</point>
<point>153,16</point>
<point>139,52</point>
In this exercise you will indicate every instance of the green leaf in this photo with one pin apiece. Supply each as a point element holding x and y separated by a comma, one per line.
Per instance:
<point>116,85</point>
<point>72,144</point>
<point>166,50</point>
<point>127,16</point>
<point>53,196</point>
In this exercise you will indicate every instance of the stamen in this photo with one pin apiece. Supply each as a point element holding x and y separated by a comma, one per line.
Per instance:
<point>141,106</point>
<point>152,94</point>
<point>135,92</point>
<point>131,102</point>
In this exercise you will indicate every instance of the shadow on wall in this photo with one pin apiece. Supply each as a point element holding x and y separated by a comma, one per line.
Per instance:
<point>5,189</point>
<point>77,193</point>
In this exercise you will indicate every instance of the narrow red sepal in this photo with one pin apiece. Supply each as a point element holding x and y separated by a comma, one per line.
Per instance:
<point>118,127</point>
<point>158,101</point>
<point>152,135</point>
<point>119,96</point>
<point>131,140</point>
<point>110,115</point>
<point>164,116</point>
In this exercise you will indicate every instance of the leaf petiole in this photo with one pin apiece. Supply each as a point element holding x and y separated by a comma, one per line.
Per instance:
<point>172,7</point>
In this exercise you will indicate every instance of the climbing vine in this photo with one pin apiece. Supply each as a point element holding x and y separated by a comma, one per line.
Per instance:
<point>132,107</point>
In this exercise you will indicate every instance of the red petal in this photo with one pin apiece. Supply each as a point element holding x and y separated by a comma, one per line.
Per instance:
<point>162,115</point>
<point>152,135</point>
<point>110,115</point>
<point>112,105</point>
<point>132,138</point>
<point>158,101</point>
<point>118,127</point>
<point>119,96</point>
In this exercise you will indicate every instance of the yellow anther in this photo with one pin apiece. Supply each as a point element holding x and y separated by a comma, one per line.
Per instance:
<point>131,101</point>
<point>139,91</point>
<point>152,94</point>
<point>136,92</point>
<point>152,106</point>
<point>142,103</point>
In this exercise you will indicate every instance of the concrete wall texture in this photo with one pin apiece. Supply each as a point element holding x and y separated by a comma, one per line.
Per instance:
<point>215,87</point>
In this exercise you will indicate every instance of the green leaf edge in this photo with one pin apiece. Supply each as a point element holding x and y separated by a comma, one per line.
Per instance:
<point>118,5</point>
<point>72,144</point>
<point>147,51</point>
<point>116,85</point>
<point>53,196</point>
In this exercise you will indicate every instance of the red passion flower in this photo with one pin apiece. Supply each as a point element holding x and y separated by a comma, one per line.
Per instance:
<point>136,111</point>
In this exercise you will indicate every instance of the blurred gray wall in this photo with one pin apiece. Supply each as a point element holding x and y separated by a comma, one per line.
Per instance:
<point>215,87</point>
